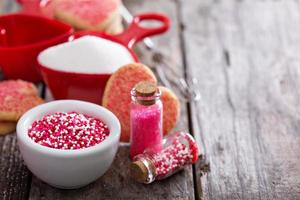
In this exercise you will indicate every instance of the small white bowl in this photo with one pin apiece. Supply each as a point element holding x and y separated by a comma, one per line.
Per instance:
<point>68,169</point>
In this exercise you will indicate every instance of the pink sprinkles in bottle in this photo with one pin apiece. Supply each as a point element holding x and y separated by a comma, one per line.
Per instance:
<point>68,130</point>
<point>179,149</point>
<point>175,155</point>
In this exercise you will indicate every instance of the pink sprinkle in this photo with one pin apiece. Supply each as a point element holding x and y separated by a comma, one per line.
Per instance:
<point>175,156</point>
<point>70,130</point>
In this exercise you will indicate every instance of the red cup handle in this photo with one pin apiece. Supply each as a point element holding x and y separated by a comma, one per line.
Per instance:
<point>135,32</point>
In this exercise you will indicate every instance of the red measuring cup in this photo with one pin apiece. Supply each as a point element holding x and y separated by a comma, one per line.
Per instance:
<point>90,87</point>
<point>22,38</point>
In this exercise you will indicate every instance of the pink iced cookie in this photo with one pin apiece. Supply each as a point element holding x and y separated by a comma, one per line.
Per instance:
<point>171,109</point>
<point>117,97</point>
<point>16,97</point>
<point>117,93</point>
<point>89,14</point>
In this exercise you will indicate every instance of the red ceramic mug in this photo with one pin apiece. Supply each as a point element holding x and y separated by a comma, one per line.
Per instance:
<point>22,38</point>
<point>90,87</point>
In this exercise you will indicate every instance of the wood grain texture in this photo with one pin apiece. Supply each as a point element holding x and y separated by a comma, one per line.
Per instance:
<point>116,183</point>
<point>245,54</point>
<point>14,176</point>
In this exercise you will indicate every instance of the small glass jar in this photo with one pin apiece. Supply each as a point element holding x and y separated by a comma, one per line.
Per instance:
<point>178,150</point>
<point>145,118</point>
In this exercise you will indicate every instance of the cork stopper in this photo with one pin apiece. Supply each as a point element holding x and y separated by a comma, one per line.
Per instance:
<point>139,172</point>
<point>145,88</point>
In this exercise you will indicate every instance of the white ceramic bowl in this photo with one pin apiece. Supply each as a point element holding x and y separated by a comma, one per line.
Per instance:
<point>68,168</point>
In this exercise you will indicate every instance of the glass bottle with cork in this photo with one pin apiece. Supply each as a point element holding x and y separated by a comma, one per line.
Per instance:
<point>145,118</point>
<point>178,150</point>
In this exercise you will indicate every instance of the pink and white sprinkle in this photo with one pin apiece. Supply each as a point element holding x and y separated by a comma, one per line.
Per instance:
<point>68,130</point>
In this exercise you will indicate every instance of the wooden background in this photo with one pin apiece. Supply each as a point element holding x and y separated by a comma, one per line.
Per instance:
<point>245,54</point>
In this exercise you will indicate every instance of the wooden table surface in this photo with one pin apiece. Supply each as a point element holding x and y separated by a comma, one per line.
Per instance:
<point>245,54</point>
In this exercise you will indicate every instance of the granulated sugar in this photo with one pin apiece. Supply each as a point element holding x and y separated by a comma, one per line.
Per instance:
<point>88,54</point>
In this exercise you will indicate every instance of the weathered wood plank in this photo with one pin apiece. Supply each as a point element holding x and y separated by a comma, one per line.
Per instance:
<point>244,53</point>
<point>116,183</point>
<point>14,176</point>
